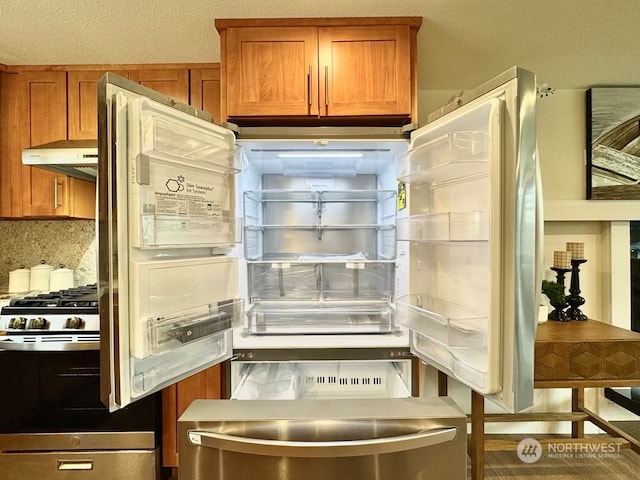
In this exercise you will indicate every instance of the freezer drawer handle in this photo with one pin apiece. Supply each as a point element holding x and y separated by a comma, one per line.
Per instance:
<point>349,448</point>
<point>75,464</point>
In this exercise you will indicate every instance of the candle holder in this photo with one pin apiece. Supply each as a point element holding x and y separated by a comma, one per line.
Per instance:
<point>574,299</point>
<point>558,314</point>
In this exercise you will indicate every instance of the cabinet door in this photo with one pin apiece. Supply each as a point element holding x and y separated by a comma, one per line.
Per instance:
<point>365,70</point>
<point>171,82</point>
<point>271,71</point>
<point>82,103</point>
<point>205,91</point>
<point>8,113</point>
<point>175,400</point>
<point>44,101</point>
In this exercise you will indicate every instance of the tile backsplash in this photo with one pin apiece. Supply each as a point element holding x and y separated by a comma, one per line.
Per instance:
<point>58,242</point>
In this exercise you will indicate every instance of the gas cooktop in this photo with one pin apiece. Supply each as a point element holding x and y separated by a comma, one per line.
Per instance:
<point>62,320</point>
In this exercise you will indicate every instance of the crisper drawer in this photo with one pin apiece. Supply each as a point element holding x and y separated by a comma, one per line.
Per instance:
<point>296,318</point>
<point>321,379</point>
<point>309,281</point>
<point>81,465</point>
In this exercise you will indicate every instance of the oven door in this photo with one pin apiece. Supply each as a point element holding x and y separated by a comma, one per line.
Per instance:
<point>167,289</point>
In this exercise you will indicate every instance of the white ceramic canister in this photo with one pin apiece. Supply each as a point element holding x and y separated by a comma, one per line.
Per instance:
<point>19,280</point>
<point>40,274</point>
<point>61,279</point>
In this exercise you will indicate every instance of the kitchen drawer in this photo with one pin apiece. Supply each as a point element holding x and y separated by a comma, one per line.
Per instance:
<point>81,465</point>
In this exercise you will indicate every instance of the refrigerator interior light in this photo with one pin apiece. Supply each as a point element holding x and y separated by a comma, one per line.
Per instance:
<point>320,155</point>
<point>318,173</point>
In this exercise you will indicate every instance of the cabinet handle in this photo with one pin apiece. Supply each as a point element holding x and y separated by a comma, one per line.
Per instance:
<point>326,89</point>
<point>309,88</point>
<point>56,204</point>
<point>75,464</point>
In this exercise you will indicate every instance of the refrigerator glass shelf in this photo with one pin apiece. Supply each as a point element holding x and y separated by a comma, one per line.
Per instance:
<point>350,226</point>
<point>448,226</point>
<point>333,196</point>
<point>299,318</point>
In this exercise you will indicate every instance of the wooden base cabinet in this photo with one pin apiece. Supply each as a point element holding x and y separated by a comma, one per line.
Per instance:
<point>319,71</point>
<point>175,400</point>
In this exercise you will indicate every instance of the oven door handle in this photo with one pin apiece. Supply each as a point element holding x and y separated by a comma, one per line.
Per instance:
<point>346,448</point>
<point>75,464</point>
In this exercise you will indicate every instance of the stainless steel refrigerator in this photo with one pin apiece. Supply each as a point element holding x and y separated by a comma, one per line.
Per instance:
<point>322,261</point>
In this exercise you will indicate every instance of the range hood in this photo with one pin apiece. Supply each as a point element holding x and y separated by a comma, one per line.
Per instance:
<point>76,158</point>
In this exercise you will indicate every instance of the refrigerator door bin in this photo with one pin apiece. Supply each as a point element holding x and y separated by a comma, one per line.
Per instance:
<point>283,318</point>
<point>165,132</point>
<point>448,323</point>
<point>182,175</point>
<point>321,379</point>
<point>386,439</point>
<point>449,226</point>
<point>172,331</point>
<point>443,158</point>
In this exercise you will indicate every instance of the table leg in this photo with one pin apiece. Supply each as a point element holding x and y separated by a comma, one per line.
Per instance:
<point>577,402</point>
<point>477,436</point>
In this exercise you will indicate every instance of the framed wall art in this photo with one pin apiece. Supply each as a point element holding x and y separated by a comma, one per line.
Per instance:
<point>613,143</point>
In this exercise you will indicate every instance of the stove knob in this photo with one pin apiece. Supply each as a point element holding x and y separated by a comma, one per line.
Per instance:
<point>74,322</point>
<point>38,323</point>
<point>17,322</point>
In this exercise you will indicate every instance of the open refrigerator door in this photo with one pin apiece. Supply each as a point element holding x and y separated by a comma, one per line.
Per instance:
<point>472,228</point>
<point>168,299</point>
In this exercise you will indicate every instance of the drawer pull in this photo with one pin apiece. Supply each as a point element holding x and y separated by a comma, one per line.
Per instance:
<point>75,464</point>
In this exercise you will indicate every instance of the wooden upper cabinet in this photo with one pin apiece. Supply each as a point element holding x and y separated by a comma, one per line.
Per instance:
<point>205,91</point>
<point>272,71</point>
<point>365,70</point>
<point>171,82</point>
<point>82,103</point>
<point>342,70</point>
<point>43,119</point>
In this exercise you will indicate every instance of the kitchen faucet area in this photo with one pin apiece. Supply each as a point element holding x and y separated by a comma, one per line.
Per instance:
<point>338,240</point>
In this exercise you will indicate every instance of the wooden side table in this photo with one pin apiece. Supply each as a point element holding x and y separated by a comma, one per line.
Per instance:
<point>574,355</point>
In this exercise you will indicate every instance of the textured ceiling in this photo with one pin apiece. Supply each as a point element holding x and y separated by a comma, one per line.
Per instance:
<point>567,43</point>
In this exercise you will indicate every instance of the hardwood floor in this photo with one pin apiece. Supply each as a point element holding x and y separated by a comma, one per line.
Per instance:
<point>505,465</point>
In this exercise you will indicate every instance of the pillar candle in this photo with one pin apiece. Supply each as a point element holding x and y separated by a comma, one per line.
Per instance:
<point>561,259</point>
<point>576,249</point>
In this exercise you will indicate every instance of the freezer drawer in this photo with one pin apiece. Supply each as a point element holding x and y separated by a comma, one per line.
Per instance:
<point>321,379</point>
<point>386,439</point>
